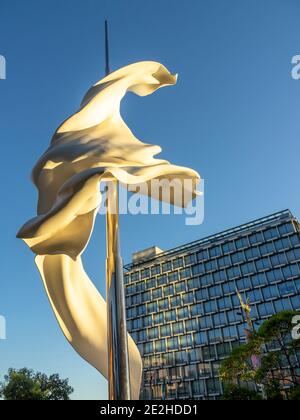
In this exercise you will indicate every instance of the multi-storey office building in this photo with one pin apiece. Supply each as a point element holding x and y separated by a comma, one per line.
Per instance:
<point>182,305</point>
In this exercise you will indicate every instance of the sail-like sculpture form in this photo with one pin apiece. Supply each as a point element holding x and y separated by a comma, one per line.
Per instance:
<point>92,146</point>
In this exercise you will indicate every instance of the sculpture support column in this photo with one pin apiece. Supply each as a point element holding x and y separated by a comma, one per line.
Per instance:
<point>117,338</point>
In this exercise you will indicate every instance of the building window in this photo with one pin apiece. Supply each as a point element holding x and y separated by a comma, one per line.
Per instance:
<point>198,269</point>
<point>160,346</point>
<point>266,249</point>
<point>238,257</point>
<point>167,266</point>
<point>175,301</point>
<point>282,305</point>
<point>157,293</point>
<point>266,309</point>
<point>186,341</point>
<point>184,273</point>
<point>163,304</point>
<point>146,296</point>
<point>168,359</point>
<point>274,275</point>
<point>278,259</point>
<point>200,338</point>
<point>194,355</point>
<point>165,330</point>
<point>184,312</point>
<point>187,298</point>
<point>145,273</point>
<point>172,343</point>
<point>248,268</point>
<point>255,296</point>
<point>168,290</point>
<point>229,333</point>
<point>233,272</point>
<point>155,270</point>
<point>141,310</point>
<point>206,280</point>
<point>152,333</point>
<point>213,386</point>
<point>214,336</point>
<point>198,387</point>
<point>215,251</point>
<point>180,357</point>
<point>201,294</point>
<point>196,309</point>
<point>209,353</point>
<point>295,239</point>
<point>191,325</point>
<point>293,255</point>
<point>148,348</point>
<point>233,317</point>
<point>223,350</point>
<point>173,276</point>
<point>286,228</point>
<point>252,253</point>
<point>178,328</point>
<point>158,318</point>
<point>219,319</point>
<point>178,262</point>
<point>190,372</point>
<point>161,280</point>
<point>296,303</point>
<point>142,336</point>
<point>291,271</point>
<point>243,284</point>
<point>180,287</point>
<point>259,280</point>
<point>150,283</point>
<point>270,292</point>
<point>286,288</point>
<point>271,233</point>
<point>229,287</point>
<point>228,247</point>
<point>206,322</point>
<point>224,303</point>
<point>203,370</point>
<point>256,238</point>
<point>151,307</point>
<point>190,259</point>
<point>193,283</point>
<point>135,276</point>
<point>211,265</point>
<point>147,321</point>
<point>170,315</point>
<point>202,255</point>
<point>241,243</point>
<point>210,306</point>
<point>224,261</point>
<point>215,291</point>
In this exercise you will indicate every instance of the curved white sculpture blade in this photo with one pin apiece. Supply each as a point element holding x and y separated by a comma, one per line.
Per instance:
<point>91,146</point>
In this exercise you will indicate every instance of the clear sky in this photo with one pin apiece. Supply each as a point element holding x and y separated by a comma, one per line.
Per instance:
<point>234,116</point>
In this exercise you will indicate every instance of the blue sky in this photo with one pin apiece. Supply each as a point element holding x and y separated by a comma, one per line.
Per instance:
<point>234,116</point>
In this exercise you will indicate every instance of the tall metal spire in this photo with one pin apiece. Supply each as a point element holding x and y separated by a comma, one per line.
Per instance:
<point>117,338</point>
<point>107,69</point>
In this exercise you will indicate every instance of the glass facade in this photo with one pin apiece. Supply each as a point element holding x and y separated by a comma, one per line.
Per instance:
<point>183,310</point>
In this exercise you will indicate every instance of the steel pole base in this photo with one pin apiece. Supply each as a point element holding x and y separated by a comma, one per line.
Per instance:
<point>117,338</point>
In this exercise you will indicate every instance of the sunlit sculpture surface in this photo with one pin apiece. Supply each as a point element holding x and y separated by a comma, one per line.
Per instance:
<point>92,146</point>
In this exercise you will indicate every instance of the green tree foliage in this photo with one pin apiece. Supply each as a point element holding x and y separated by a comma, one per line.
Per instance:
<point>272,345</point>
<point>25,384</point>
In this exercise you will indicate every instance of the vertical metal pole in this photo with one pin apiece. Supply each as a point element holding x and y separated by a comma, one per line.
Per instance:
<point>117,339</point>
<point>107,69</point>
